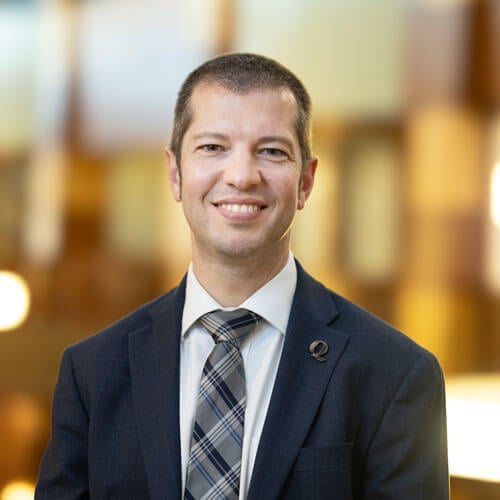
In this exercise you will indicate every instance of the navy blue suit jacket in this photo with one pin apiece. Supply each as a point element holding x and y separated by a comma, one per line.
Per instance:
<point>367,423</point>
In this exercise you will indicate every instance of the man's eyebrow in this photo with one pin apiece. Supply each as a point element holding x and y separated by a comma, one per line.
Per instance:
<point>210,135</point>
<point>277,138</point>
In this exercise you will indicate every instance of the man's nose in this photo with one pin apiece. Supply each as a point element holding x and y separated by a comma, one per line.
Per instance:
<point>242,170</point>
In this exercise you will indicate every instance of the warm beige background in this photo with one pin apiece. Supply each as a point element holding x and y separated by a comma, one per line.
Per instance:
<point>406,101</point>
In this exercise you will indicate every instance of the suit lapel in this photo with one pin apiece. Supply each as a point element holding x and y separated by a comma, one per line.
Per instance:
<point>300,384</point>
<point>154,369</point>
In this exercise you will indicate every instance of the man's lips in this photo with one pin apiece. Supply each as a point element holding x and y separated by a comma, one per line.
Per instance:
<point>240,208</point>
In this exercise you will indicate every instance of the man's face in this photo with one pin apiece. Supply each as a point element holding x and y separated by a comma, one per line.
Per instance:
<point>242,180</point>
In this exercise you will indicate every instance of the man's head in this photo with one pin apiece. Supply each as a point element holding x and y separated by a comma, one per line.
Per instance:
<point>243,73</point>
<point>240,143</point>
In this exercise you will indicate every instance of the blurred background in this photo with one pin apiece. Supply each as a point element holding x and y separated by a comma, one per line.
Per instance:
<point>405,217</point>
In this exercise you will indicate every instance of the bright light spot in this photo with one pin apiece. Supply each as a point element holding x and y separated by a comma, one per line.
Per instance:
<point>18,490</point>
<point>495,195</point>
<point>473,407</point>
<point>14,300</point>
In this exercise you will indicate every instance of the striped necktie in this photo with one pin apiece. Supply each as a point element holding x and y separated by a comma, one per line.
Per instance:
<point>215,460</point>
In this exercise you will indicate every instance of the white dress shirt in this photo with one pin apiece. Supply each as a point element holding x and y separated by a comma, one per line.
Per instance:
<point>261,353</point>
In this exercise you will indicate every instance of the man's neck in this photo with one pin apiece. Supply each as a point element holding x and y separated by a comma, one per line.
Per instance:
<point>231,281</point>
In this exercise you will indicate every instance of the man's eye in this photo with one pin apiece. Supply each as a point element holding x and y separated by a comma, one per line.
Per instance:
<point>211,148</point>
<point>274,152</point>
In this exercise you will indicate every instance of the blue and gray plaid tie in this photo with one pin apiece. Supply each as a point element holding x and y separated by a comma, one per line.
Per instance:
<point>215,459</point>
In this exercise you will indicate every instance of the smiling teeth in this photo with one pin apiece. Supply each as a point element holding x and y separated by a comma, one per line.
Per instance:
<point>239,208</point>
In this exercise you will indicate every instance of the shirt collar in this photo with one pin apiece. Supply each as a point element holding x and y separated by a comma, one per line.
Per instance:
<point>273,301</point>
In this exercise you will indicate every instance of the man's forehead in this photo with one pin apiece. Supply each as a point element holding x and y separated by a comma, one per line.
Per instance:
<point>207,88</point>
<point>216,110</point>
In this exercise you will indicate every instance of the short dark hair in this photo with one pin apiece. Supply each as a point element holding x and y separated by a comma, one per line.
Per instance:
<point>242,73</point>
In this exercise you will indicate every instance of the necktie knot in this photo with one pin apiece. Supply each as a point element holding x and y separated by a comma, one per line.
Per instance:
<point>230,326</point>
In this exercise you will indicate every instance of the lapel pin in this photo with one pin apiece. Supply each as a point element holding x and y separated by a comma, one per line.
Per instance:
<point>318,349</point>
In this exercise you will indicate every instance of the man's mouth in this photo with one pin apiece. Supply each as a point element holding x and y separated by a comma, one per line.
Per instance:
<point>240,208</point>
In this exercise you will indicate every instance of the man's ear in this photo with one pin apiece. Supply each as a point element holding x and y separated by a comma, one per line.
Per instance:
<point>174,174</point>
<point>307,181</point>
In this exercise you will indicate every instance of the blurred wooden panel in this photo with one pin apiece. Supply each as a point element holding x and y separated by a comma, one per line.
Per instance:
<point>85,183</point>
<point>371,172</point>
<point>439,51</point>
<point>493,322</point>
<point>12,205</point>
<point>466,489</point>
<point>23,425</point>
<point>316,228</point>
<point>445,153</point>
<point>444,250</point>
<point>224,24</point>
<point>134,211</point>
<point>492,210</point>
<point>42,227</point>
<point>449,322</point>
<point>485,71</point>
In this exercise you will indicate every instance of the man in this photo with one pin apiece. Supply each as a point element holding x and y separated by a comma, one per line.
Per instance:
<point>319,400</point>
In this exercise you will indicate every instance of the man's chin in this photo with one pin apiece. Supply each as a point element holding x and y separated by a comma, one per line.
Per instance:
<point>238,252</point>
